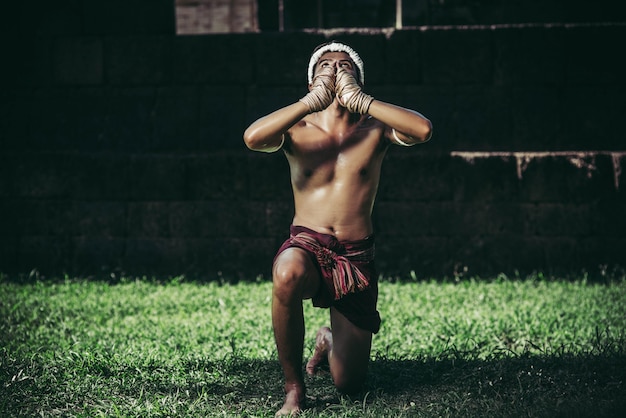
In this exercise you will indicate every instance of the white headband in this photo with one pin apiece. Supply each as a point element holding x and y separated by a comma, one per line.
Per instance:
<point>336,47</point>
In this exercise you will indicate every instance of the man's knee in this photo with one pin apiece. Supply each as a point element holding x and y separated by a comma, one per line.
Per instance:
<point>291,276</point>
<point>350,384</point>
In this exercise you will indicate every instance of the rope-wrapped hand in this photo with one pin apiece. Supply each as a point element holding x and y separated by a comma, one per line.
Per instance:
<point>322,91</point>
<point>350,94</point>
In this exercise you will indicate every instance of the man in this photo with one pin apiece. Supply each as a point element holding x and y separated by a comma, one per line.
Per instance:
<point>334,139</point>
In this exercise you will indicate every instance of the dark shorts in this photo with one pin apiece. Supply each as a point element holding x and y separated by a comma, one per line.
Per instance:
<point>360,307</point>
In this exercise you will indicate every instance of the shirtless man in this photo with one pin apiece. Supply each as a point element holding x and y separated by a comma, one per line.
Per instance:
<point>334,139</point>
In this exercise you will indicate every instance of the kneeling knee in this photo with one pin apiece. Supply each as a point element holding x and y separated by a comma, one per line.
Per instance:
<point>349,386</point>
<point>287,281</point>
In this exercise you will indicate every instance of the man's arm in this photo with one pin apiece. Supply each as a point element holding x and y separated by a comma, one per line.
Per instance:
<point>267,133</point>
<point>406,127</point>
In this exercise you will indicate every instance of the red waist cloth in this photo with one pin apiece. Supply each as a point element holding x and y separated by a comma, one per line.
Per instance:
<point>348,272</point>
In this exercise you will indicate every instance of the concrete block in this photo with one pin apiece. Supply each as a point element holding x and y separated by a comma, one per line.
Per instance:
<point>100,219</point>
<point>94,255</point>
<point>469,219</point>
<point>489,179</point>
<point>213,59</point>
<point>438,104</point>
<point>208,219</point>
<point>401,219</point>
<point>148,219</point>
<point>609,219</point>
<point>69,119</point>
<point>48,255</point>
<point>509,253</point>
<point>603,11</point>
<point>23,217</point>
<point>268,177</point>
<point>222,118</point>
<point>155,256</point>
<point>210,259</point>
<point>43,18</point>
<point>100,177</point>
<point>425,256</point>
<point>403,60</point>
<point>283,59</point>
<point>15,121</point>
<point>129,119</point>
<point>457,56</point>
<point>126,17</point>
<point>138,60</point>
<point>31,60</point>
<point>78,61</point>
<point>9,252</point>
<point>409,175</point>
<point>604,254</point>
<point>570,178</point>
<point>619,176</point>
<point>590,55</point>
<point>484,118</point>
<point>7,170</point>
<point>536,121</point>
<point>487,255</point>
<point>588,115</point>
<point>264,100</point>
<point>249,257</point>
<point>217,177</point>
<point>176,119</point>
<point>154,177</point>
<point>557,219</point>
<point>564,254</point>
<point>529,56</point>
<point>279,216</point>
<point>255,216</point>
<point>61,217</point>
<point>43,176</point>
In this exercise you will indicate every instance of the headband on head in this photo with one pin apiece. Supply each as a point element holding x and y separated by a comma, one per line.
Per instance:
<point>336,47</point>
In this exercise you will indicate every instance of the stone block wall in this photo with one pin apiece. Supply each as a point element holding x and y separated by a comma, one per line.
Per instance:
<point>121,146</point>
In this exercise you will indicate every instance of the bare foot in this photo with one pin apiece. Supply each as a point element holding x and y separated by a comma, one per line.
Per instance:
<point>294,402</point>
<point>323,345</point>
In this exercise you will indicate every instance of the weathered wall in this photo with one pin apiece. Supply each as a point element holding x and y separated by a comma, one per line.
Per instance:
<point>121,146</point>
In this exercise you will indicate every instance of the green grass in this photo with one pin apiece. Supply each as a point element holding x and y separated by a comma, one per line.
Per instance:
<point>475,348</point>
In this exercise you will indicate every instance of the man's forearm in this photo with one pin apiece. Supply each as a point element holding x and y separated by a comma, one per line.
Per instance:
<point>411,125</point>
<point>266,133</point>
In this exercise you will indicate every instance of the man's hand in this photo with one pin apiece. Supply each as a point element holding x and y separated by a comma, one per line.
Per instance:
<point>349,93</point>
<point>322,91</point>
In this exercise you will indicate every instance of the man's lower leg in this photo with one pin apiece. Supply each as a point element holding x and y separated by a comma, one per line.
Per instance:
<point>288,322</point>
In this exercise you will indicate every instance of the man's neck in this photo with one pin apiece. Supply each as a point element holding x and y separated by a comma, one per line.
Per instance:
<point>336,115</point>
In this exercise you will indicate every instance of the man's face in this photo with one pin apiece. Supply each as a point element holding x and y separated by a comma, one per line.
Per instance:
<point>336,60</point>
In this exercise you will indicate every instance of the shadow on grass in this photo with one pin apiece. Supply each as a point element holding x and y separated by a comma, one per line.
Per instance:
<point>547,386</point>
<point>588,386</point>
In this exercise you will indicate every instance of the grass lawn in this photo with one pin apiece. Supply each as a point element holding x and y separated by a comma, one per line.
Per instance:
<point>473,348</point>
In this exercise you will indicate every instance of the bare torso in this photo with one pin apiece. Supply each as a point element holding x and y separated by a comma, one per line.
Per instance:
<point>335,170</point>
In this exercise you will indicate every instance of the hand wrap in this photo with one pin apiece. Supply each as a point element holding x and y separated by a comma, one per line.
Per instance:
<point>322,91</point>
<point>350,94</point>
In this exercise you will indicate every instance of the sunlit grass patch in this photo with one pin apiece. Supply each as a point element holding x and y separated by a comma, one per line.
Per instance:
<point>469,348</point>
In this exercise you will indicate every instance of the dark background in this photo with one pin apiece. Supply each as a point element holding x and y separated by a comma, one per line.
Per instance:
<point>121,144</point>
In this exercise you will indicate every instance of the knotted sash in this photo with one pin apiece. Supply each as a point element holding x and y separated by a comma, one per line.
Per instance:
<point>336,262</point>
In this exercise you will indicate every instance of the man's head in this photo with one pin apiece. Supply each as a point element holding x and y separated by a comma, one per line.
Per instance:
<point>335,46</point>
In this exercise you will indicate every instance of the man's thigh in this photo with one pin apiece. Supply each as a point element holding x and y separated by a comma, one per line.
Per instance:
<point>350,353</point>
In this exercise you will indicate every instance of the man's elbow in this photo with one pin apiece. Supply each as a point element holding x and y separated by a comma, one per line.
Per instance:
<point>252,140</point>
<point>427,132</point>
<point>257,142</point>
